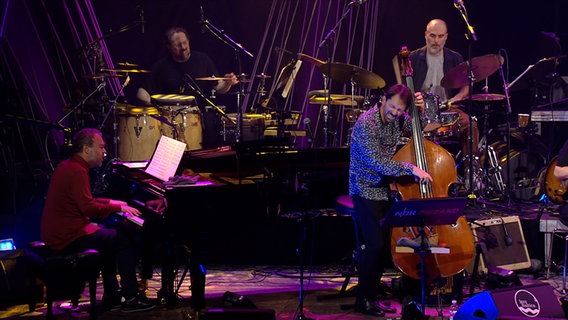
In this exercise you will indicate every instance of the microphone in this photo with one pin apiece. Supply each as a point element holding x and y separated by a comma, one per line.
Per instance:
<point>202,20</point>
<point>141,15</point>
<point>307,123</point>
<point>458,4</point>
<point>507,238</point>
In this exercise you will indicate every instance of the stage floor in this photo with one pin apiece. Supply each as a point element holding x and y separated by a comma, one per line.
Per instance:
<point>276,287</point>
<point>267,287</point>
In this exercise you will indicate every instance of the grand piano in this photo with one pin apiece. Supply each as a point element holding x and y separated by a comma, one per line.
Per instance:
<point>237,213</point>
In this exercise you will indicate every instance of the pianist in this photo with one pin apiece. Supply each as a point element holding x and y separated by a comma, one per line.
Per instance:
<point>66,225</point>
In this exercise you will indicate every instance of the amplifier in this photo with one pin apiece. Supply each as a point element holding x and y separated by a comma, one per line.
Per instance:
<point>505,243</point>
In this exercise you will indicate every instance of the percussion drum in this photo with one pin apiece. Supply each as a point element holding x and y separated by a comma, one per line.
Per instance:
<point>138,133</point>
<point>184,124</point>
<point>432,112</point>
<point>253,126</point>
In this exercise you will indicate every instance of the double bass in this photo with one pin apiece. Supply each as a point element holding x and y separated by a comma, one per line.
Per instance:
<point>440,164</point>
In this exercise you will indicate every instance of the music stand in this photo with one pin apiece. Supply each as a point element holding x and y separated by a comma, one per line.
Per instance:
<point>422,213</point>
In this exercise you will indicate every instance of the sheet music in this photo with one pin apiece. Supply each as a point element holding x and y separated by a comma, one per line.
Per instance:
<point>166,158</point>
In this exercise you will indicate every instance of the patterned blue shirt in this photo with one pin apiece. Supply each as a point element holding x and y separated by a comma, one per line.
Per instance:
<point>373,144</point>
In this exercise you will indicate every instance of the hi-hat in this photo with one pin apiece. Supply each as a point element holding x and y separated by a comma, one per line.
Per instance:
<point>317,62</point>
<point>263,76</point>
<point>126,70</point>
<point>103,75</point>
<point>488,97</point>
<point>346,73</point>
<point>481,67</point>
<point>213,78</point>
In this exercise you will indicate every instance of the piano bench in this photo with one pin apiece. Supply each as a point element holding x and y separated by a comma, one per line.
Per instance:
<point>64,275</point>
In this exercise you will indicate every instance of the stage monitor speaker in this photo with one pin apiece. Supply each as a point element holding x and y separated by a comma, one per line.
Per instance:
<point>505,243</point>
<point>537,301</point>
<point>239,314</point>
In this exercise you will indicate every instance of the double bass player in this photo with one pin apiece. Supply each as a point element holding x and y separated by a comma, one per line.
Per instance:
<point>373,144</point>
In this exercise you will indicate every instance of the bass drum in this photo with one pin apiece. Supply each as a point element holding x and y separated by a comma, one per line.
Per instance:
<point>524,166</point>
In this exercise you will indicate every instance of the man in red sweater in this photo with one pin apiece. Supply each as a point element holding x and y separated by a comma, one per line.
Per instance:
<point>66,225</point>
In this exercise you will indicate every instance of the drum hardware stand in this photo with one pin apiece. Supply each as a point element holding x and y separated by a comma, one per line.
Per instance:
<point>508,189</point>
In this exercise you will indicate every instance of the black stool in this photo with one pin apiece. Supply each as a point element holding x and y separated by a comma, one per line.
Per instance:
<point>345,207</point>
<point>64,275</point>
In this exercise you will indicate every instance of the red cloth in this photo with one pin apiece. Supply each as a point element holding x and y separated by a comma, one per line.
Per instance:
<point>70,204</point>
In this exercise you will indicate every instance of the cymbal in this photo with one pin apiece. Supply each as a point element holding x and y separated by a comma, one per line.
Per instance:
<point>103,75</point>
<point>127,64</point>
<point>213,78</point>
<point>317,62</point>
<point>126,70</point>
<point>336,99</point>
<point>263,76</point>
<point>343,72</point>
<point>488,97</point>
<point>482,67</point>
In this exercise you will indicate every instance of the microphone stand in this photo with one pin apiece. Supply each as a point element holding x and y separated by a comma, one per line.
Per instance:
<point>470,35</point>
<point>112,110</point>
<point>238,48</point>
<point>67,130</point>
<point>328,41</point>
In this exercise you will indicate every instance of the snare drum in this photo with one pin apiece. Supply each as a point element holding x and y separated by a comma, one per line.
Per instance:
<point>138,133</point>
<point>450,125</point>
<point>186,124</point>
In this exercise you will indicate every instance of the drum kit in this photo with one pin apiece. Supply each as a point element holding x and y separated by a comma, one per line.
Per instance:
<point>506,166</point>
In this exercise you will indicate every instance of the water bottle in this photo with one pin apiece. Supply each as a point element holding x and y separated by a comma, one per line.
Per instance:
<point>453,309</point>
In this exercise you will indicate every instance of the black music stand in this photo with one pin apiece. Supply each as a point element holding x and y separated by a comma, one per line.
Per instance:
<point>422,213</point>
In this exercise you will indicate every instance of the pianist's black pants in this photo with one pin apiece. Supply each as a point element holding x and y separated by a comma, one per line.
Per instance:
<point>117,252</point>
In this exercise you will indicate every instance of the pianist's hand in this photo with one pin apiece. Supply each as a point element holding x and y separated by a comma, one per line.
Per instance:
<point>129,209</point>
<point>157,205</point>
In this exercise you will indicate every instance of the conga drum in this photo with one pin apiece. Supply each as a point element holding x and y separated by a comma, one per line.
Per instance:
<point>138,133</point>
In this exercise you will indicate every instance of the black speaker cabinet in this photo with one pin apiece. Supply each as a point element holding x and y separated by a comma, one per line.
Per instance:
<point>504,241</point>
<point>537,301</point>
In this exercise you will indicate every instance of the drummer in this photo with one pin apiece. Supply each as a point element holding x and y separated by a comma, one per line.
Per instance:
<point>430,64</point>
<point>171,74</point>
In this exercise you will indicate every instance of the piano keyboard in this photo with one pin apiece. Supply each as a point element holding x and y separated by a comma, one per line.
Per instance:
<point>549,115</point>
<point>134,219</point>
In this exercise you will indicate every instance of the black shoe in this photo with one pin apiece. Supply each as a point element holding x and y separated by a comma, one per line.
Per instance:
<point>385,306</point>
<point>368,307</point>
<point>137,304</point>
